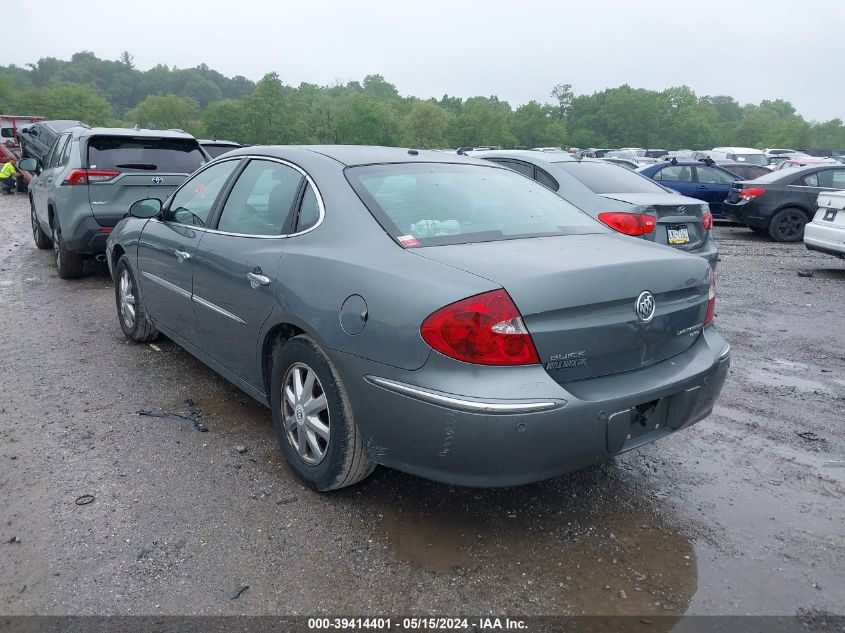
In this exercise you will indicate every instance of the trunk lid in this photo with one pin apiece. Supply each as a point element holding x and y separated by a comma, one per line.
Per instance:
<point>672,211</point>
<point>577,296</point>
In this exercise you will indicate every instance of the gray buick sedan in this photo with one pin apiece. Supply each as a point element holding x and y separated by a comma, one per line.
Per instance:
<point>436,314</point>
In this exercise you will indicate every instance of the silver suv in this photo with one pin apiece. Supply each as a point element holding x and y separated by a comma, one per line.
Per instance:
<point>91,176</point>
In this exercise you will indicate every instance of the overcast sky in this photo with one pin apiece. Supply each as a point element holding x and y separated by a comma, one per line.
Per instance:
<point>516,49</point>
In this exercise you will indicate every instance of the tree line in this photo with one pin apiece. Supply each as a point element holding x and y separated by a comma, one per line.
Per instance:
<point>208,104</point>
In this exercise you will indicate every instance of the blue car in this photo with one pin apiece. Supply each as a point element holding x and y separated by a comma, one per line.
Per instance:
<point>707,182</point>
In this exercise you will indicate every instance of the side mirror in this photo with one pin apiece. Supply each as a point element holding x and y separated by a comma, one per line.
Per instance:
<point>28,164</point>
<point>146,208</point>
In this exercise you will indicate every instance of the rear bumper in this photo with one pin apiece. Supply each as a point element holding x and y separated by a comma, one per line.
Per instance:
<point>746,213</point>
<point>824,239</point>
<point>86,236</point>
<point>708,251</point>
<point>446,421</point>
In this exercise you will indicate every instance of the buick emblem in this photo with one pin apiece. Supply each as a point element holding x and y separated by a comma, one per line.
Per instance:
<point>157,180</point>
<point>645,306</point>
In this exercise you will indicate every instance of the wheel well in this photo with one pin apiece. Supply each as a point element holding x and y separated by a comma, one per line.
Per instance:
<point>116,254</point>
<point>274,340</point>
<point>800,208</point>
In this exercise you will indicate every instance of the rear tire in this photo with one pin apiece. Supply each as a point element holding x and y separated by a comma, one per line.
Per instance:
<point>131,311</point>
<point>787,225</point>
<point>331,452</point>
<point>68,265</point>
<point>42,240</point>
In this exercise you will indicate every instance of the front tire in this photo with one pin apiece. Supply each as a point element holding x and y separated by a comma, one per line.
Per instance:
<point>42,240</point>
<point>787,225</point>
<point>131,311</point>
<point>313,419</point>
<point>68,265</point>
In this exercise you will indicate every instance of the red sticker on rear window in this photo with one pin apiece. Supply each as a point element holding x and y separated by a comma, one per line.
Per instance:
<point>408,241</point>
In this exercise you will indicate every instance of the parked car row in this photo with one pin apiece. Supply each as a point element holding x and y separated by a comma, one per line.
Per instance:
<point>439,314</point>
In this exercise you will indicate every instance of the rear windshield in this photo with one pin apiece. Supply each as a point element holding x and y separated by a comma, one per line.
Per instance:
<point>216,150</point>
<point>605,178</point>
<point>126,153</point>
<point>431,204</point>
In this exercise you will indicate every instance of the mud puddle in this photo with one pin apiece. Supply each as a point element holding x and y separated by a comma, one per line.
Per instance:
<point>584,544</point>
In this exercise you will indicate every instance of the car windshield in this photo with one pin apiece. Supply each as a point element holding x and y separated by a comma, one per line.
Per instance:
<point>432,204</point>
<point>754,159</point>
<point>605,178</point>
<point>126,153</point>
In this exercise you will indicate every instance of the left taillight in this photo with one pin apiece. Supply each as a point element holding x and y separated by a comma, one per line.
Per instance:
<point>629,223</point>
<point>486,329</point>
<point>711,300</point>
<point>87,176</point>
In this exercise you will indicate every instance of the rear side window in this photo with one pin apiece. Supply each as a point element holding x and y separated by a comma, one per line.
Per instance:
<point>436,204</point>
<point>309,211</point>
<point>608,178</point>
<point>261,199</point>
<point>129,154</point>
<point>547,181</point>
<point>675,173</point>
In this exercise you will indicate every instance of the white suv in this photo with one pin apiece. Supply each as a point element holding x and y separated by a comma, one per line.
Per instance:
<point>740,155</point>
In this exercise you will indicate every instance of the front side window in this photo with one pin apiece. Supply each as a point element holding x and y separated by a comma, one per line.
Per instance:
<point>832,178</point>
<point>193,203</point>
<point>435,204</point>
<point>675,173</point>
<point>710,176</point>
<point>50,158</point>
<point>261,199</point>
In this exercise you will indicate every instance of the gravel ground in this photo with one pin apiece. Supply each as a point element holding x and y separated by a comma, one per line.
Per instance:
<point>737,515</point>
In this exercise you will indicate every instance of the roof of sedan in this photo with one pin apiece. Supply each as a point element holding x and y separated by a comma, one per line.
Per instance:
<point>548,157</point>
<point>350,155</point>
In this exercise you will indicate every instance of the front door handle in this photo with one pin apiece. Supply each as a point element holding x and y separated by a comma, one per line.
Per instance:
<point>256,280</point>
<point>182,256</point>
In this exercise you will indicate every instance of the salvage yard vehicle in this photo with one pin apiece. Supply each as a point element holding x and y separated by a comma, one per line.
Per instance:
<point>781,203</point>
<point>740,155</point>
<point>696,179</point>
<point>436,314</point>
<point>624,201</point>
<point>826,233</point>
<point>37,139</point>
<point>91,176</point>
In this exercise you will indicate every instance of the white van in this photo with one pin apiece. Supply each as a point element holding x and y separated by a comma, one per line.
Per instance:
<point>740,155</point>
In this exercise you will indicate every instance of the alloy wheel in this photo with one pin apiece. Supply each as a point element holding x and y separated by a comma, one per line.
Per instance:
<point>127,299</point>
<point>306,413</point>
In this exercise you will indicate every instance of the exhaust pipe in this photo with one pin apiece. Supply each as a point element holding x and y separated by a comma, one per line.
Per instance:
<point>101,257</point>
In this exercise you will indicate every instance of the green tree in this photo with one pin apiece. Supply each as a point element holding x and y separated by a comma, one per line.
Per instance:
<point>537,125</point>
<point>224,119</point>
<point>165,112</point>
<point>425,125</point>
<point>66,101</point>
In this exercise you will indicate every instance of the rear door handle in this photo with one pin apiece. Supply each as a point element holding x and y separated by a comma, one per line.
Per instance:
<point>256,280</point>
<point>182,256</point>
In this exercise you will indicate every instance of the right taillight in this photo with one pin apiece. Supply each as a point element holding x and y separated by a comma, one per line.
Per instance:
<point>629,223</point>
<point>486,329</point>
<point>707,221</point>
<point>711,301</point>
<point>87,176</point>
<point>749,193</point>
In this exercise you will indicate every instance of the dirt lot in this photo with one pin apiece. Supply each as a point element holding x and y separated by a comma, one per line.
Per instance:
<point>737,515</point>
